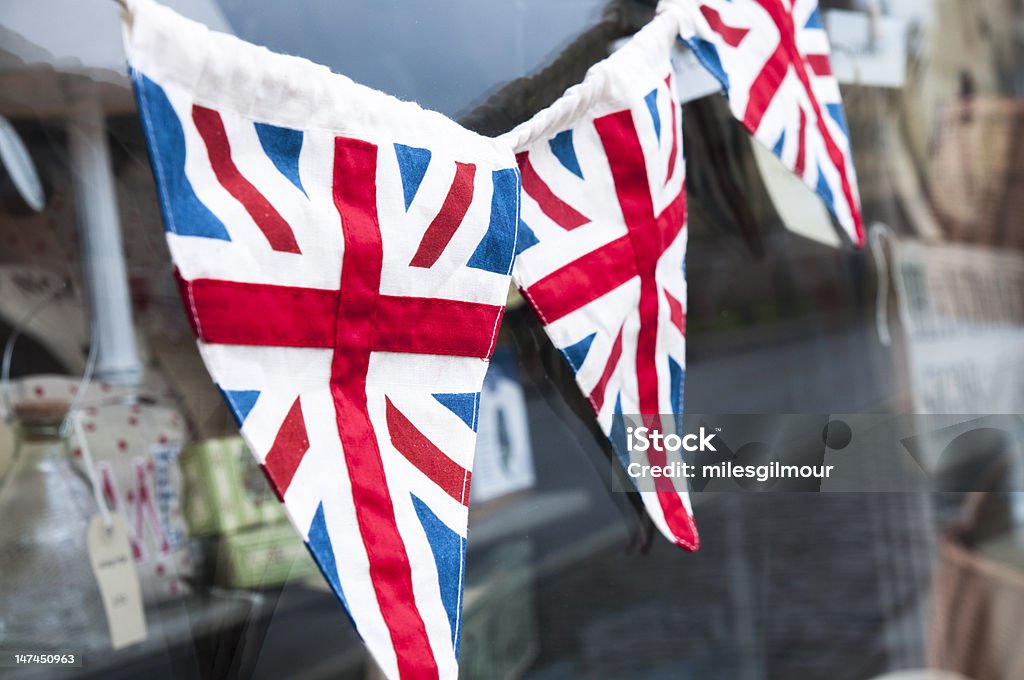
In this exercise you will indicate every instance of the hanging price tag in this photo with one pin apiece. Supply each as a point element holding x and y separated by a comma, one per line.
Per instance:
<point>111,556</point>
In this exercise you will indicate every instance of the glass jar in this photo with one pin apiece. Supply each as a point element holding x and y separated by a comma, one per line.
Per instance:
<point>49,598</point>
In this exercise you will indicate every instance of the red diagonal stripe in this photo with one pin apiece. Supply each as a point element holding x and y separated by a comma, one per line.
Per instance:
<point>451,477</point>
<point>764,87</point>
<point>672,221</point>
<point>447,221</point>
<point>583,280</point>
<point>560,212</point>
<point>289,447</point>
<point>801,149</point>
<point>675,132</point>
<point>274,227</point>
<point>597,394</point>
<point>355,196</point>
<point>730,35</point>
<point>676,313</point>
<point>820,64</point>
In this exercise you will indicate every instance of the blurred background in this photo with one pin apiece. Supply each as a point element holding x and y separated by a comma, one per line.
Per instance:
<point>564,578</point>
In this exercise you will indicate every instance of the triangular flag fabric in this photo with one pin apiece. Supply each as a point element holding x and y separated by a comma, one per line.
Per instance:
<point>344,258</point>
<point>604,199</point>
<point>772,58</point>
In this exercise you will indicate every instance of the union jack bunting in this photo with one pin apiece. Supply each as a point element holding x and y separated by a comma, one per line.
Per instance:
<point>344,258</point>
<point>602,245</point>
<point>772,59</point>
<point>345,275</point>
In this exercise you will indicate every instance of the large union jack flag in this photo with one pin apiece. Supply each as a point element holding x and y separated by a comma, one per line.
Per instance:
<point>602,250</point>
<point>346,289</point>
<point>772,59</point>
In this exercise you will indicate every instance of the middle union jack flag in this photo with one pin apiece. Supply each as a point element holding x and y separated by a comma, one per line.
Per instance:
<point>602,245</point>
<point>346,279</point>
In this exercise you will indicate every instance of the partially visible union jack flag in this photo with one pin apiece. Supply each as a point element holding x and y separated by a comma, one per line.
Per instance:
<point>602,246</point>
<point>772,59</point>
<point>346,281</point>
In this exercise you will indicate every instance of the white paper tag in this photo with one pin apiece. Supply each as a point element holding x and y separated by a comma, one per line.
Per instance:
<point>798,207</point>
<point>504,458</point>
<point>860,58</point>
<point>693,80</point>
<point>110,554</point>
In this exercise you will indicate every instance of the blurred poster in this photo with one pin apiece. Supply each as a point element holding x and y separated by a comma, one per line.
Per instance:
<point>867,51</point>
<point>973,171</point>
<point>962,309</point>
<point>46,308</point>
<point>915,12</point>
<point>504,458</point>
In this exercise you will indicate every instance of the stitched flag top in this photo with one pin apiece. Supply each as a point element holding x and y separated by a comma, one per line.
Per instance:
<point>602,244</point>
<point>772,59</point>
<point>344,259</point>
